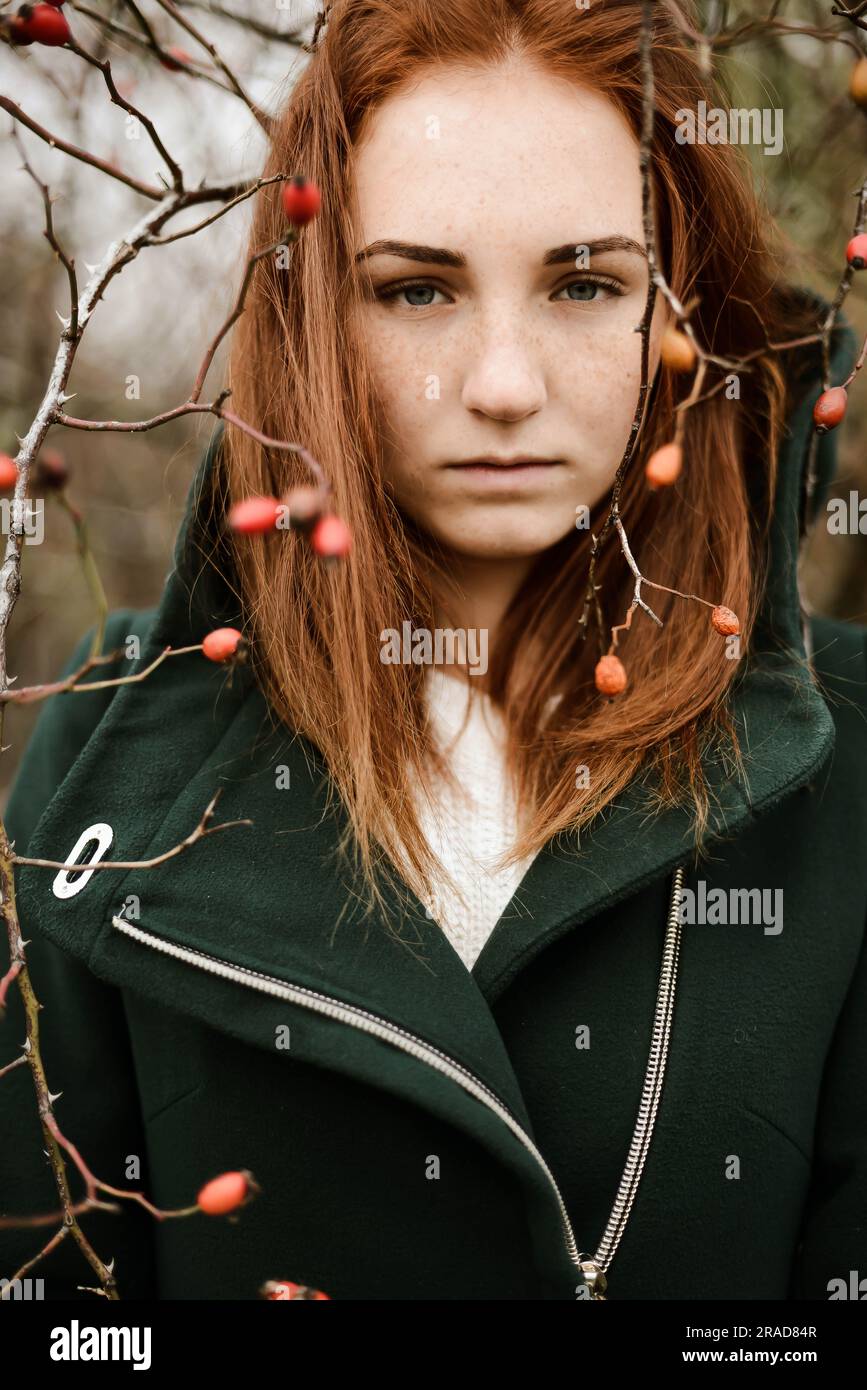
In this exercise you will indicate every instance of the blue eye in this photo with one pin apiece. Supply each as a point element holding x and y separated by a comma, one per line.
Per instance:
<point>610,286</point>
<point>419,289</point>
<point>587,292</point>
<point>410,287</point>
<point>582,285</point>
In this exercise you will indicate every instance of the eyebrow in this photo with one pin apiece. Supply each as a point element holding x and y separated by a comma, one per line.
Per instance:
<point>440,255</point>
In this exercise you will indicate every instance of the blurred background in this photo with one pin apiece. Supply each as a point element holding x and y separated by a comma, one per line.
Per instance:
<point>150,333</point>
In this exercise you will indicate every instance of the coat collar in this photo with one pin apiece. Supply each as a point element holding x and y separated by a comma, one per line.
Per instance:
<point>272,897</point>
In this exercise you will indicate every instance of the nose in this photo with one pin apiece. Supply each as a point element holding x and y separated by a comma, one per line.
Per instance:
<point>504,379</point>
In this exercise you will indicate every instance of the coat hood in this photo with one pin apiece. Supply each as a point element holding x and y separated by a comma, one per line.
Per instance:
<point>271,897</point>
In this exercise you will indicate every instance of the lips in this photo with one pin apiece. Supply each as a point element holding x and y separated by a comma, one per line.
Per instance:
<point>506,464</point>
<point>506,478</point>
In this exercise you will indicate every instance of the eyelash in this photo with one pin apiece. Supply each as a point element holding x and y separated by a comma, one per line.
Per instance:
<point>391,292</point>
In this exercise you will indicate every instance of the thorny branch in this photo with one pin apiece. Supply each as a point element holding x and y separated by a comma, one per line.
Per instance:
<point>28,694</point>
<point>826,329</point>
<point>654,280</point>
<point>261,116</point>
<point>148,230</point>
<point>31,1054</point>
<point>203,829</point>
<point>150,45</point>
<point>104,67</point>
<point>719,39</point>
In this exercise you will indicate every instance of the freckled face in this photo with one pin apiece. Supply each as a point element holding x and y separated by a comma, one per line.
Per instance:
<point>491,350</point>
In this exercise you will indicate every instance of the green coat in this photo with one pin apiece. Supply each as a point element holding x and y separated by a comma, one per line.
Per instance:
<point>419,1130</point>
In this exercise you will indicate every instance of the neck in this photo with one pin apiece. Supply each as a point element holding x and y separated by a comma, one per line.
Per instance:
<point>472,594</point>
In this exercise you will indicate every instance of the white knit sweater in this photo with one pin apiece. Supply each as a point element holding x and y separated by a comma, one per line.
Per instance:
<point>470,828</point>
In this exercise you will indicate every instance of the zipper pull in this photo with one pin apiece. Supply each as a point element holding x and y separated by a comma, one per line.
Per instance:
<point>593,1277</point>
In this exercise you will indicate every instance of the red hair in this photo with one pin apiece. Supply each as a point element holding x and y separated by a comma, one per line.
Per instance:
<point>299,371</point>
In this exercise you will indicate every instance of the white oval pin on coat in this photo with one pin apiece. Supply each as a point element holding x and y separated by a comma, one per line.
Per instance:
<point>68,882</point>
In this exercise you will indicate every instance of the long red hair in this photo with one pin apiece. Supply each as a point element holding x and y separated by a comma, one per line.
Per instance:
<point>299,371</point>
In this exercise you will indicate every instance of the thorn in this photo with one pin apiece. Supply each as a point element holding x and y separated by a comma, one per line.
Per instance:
<point>52,1098</point>
<point>110,1265</point>
<point>63,398</point>
<point>90,267</point>
<point>26,1046</point>
<point>65,322</point>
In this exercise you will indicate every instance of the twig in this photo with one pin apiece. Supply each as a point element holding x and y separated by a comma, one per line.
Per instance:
<point>51,237</point>
<point>261,116</point>
<point>256,26</point>
<point>147,190</point>
<point>29,694</point>
<point>104,67</point>
<point>201,831</point>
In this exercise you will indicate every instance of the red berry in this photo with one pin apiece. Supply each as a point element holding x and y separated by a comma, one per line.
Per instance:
<point>8,472</point>
<point>223,643</point>
<point>330,537</point>
<point>286,1290</point>
<point>858,83</point>
<point>830,409</point>
<point>226,1193</point>
<point>856,252</point>
<point>677,350</point>
<point>725,621</point>
<point>254,514</point>
<point>51,472</point>
<point>305,506</point>
<point>17,31</point>
<point>663,467</point>
<point>301,200</point>
<point>42,24</point>
<point>175,59</point>
<point>610,675</point>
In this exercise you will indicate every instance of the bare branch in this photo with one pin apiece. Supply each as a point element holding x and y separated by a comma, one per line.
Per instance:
<point>146,189</point>
<point>201,831</point>
<point>29,694</point>
<point>104,67</point>
<point>50,235</point>
<point>261,116</point>
<point>265,31</point>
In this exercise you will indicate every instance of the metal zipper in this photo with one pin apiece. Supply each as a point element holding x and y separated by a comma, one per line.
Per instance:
<point>593,1268</point>
<point>596,1268</point>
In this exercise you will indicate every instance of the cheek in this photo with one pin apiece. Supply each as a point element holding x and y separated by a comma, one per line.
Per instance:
<point>604,390</point>
<point>411,393</point>
<point>402,374</point>
<point>601,397</point>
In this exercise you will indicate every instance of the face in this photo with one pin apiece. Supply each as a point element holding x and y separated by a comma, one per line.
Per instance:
<point>485,338</point>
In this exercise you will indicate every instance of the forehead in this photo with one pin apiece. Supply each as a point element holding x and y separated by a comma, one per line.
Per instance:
<point>512,150</point>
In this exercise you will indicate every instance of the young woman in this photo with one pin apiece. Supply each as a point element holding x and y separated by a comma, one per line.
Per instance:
<point>512,988</point>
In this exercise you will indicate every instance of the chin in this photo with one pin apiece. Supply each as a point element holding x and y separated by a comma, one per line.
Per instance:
<point>496,536</point>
